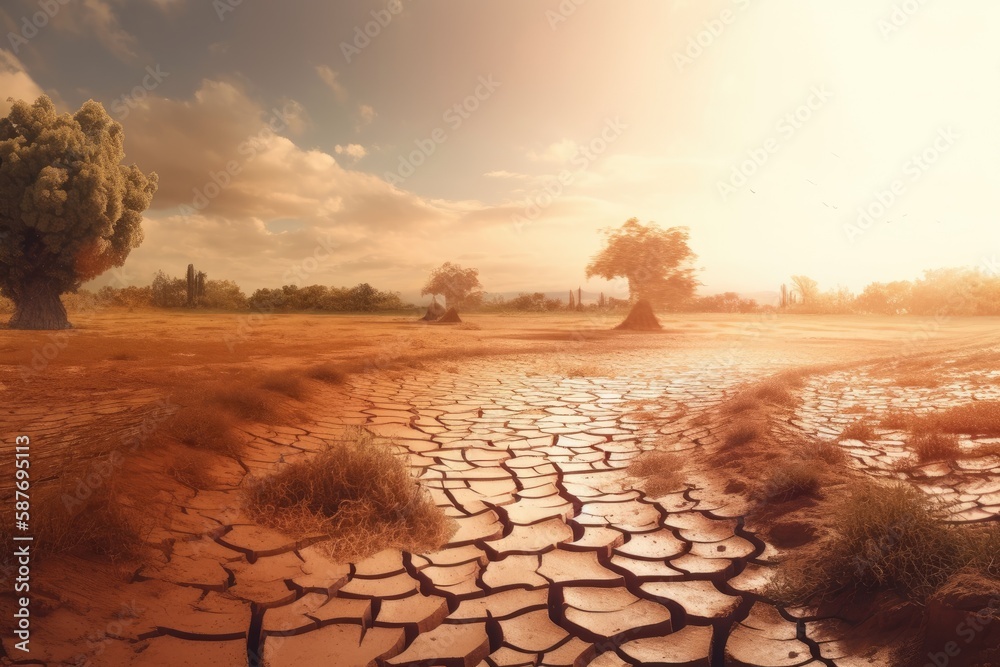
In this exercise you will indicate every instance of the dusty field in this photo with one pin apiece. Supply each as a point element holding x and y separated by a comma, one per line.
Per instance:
<point>521,428</point>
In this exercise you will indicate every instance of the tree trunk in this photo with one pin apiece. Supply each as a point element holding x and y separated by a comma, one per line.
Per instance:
<point>38,306</point>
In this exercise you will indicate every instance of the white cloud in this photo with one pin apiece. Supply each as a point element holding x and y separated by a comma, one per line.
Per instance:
<point>356,151</point>
<point>504,174</point>
<point>331,79</point>
<point>15,82</point>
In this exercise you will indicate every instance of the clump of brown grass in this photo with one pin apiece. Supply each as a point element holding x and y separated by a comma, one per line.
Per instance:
<point>861,429</point>
<point>657,472</point>
<point>828,452</point>
<point>976,418</point>
<point>205,428</point>
<point>285,383</point>
<point>799,478</point>
<point>329,373</point>
<point>358,493</point>
<point>896,420</point>
<point>586,371</point>
<point>935,447</point>
<point>247,402</point>
<point>66,521</point>
<point>885,537</point>
<point>741,433</point>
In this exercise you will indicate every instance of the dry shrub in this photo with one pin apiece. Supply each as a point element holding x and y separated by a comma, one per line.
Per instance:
<point>861,429</point>
<point>285,383</point>
<point>357,492</point>
<point>775,390</point>
<point>586,371</point>
<point>828,452</point>
<point>329,373</point>
<point>885,537</point>
<point>794,480</point>
<point>247,402</point>
<point>743,402</point>
<point>657,472</point>
<point>976,418</point>
<point>896,420</point>
<point>741,433</point>
<point>63,524</point>
<point>935,447</point>
<point>205,428</point>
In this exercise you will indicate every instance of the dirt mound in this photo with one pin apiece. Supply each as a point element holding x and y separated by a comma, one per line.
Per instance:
<point>434,312</point>
<point>451,317</point>
<point>641,318</point>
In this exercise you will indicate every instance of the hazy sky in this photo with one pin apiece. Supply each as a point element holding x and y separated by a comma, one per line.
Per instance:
<point>645,108</point>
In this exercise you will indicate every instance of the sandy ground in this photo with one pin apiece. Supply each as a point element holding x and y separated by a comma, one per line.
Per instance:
<point>521,428</point>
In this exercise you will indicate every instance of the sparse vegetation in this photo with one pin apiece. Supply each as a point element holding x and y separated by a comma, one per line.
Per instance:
<point>657,472</point>
<point>935,447</point>
<point>791,481</point>
<point>357,493</point>
<point>861,429</point>
<point>885,537</point>
<point>329,373</point>
<point>742,432</point>
<point>285,383</point>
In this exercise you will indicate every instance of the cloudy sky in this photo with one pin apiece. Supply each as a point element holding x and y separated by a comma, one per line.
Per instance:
<point>292,147</point>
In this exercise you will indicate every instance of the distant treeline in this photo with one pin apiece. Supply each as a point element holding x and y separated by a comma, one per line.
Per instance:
<point>957,292</point>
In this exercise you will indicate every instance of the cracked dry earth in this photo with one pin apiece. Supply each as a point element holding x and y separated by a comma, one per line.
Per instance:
<point>558,558</point>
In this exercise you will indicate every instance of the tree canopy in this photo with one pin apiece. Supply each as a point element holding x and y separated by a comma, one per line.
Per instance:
<point>457,285</point>
<point>656,262</point>
<point>69,210</point>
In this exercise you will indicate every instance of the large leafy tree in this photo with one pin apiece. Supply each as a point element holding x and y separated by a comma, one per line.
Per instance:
<point>458,286</point>
<point>656,262</point>
<point>69,210</point>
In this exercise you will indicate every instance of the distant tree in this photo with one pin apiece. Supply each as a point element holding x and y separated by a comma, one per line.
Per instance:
<point>656,262</point>
<point>69,210</point>
<point>454,283</point>
<point>223,295</point>
<point>885,298</point>
<point>167,291</point>
<point>806,288</point>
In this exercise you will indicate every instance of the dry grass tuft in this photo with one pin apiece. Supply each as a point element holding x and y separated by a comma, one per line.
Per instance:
<point>861,429</point>
<point>206,428</point>
<point>977,418</point>
<point>741,433</point>
<point>358,493</point>
<point>329,373</point>
<point>896,420</point>
<point>247,402</point>
<point>286,384</point>
<point>799,478</point>
<point>885,537</point>
<point>935,447</point>
<point>657,472</point>
<point>829,452</point>
<point>101,523</point>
